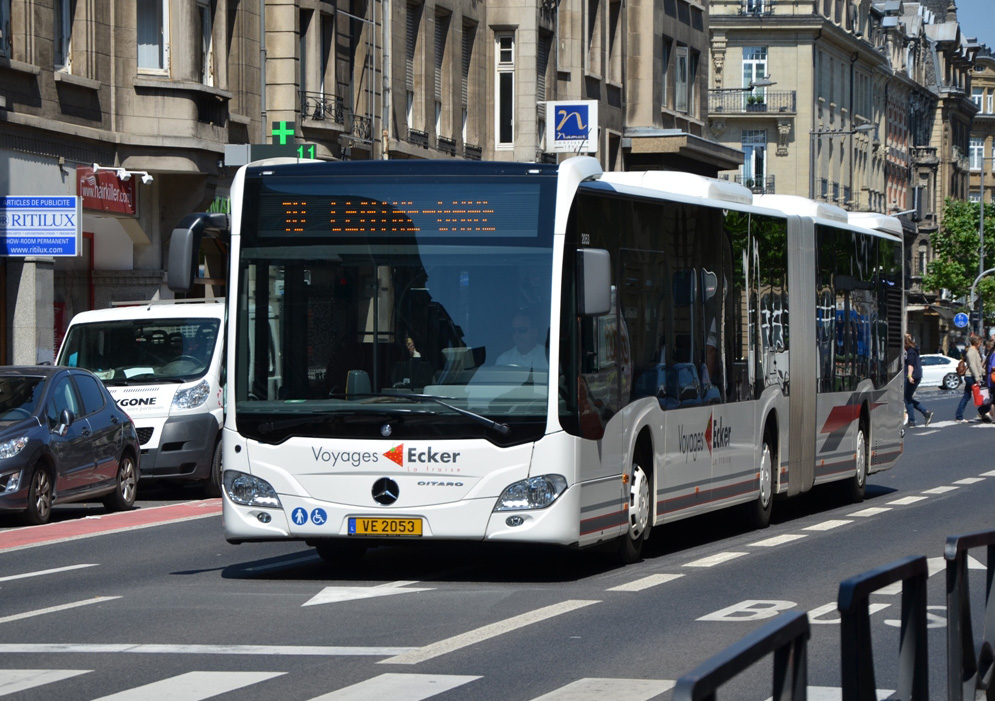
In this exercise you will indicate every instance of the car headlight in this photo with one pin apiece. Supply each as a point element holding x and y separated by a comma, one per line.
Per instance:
<point>533,493</point>
<point>9,449</point>
<point>192,397</point>
<point>250,491</point>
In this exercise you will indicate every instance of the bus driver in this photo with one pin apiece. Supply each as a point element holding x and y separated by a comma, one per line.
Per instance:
<point>527,352</point>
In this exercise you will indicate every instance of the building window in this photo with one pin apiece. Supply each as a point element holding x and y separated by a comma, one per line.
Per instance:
<point>978,96</point>
<point>5,28</point>
<point>61,34</point>
<point>615,42</point>
<point>593,32</point>
<point>976,153</point>
<point>205,13</point>
<point>922,259</point>
<point>153,35</point>
<point>665,71</point>
<point>754,69</point>
<point>989,101</point>
<point>754,144</point>
<point>681,78</point>
<point>542,70</point>
<point>504,100</point>
<point>410,50</point>
<point>469,115</point>
<point>441,74</point>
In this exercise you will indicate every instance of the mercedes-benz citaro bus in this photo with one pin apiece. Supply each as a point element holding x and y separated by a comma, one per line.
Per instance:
<point>540,353</point>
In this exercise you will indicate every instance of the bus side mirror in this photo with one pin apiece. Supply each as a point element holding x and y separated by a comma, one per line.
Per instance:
<point>594,281</point>
<point>184,247</point>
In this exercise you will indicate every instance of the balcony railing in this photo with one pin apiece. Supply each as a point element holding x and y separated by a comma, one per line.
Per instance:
<point>736,102</point>
<point>472,152</point>
<point>447,145</point>
<point>318,107</point>
<point>756,7</point>
<point>759,184</point>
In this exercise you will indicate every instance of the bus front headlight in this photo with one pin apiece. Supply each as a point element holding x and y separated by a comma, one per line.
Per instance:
<point>192,397</point>
<point>532,493</point>
<point>250,491</point>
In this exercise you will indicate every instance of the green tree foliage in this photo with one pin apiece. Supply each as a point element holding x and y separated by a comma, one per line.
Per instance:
<point>955,250</point>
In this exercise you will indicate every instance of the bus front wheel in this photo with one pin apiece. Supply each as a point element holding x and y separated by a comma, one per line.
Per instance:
<point>854,487</point>
<point>630,547</point>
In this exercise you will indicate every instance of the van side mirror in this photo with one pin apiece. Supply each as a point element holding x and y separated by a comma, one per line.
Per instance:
<point>594,281</point>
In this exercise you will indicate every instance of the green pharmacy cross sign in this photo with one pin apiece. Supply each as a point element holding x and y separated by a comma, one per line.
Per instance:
<point>281,130</point>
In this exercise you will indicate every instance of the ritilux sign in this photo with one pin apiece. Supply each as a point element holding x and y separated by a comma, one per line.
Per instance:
<point>39,226</point>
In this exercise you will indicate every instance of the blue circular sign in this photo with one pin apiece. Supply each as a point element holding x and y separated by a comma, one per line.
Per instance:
<point>961,320</point>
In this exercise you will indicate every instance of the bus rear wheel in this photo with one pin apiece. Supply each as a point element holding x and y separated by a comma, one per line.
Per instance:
<point>630,547</point>
<point>758,511</point>
<point>854,487</point>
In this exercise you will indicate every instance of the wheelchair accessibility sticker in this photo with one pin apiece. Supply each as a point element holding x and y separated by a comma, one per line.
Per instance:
<point>318,517</point>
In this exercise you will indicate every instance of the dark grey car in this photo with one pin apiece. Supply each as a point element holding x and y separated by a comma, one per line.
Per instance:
<point>62,438</point>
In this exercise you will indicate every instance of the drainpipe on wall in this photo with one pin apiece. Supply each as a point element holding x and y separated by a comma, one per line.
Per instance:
<point>262,71</point>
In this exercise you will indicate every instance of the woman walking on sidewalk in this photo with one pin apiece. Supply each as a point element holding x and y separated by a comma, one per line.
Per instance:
<point>974,372</point>
<point>913,376</point>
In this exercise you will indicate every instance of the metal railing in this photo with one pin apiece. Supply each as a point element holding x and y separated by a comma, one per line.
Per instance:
<point>969,661</point>
<point>856,652</point>
<point>786,637</point>
<point>735,101</point>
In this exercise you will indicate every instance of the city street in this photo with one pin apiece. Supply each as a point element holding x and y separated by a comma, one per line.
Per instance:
<point>154,604</point>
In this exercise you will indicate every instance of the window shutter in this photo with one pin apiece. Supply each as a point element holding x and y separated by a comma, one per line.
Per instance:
<point>412,38</point>
<point>542,63</point>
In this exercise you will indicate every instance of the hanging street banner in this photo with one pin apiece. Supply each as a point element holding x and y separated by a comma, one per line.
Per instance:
<point>572,127</point>
<point>40,226</point>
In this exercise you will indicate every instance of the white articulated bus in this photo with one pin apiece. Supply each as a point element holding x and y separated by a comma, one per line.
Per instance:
<point>539,353</point>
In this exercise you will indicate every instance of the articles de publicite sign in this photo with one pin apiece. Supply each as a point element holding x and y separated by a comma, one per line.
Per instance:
<point>39,226</point>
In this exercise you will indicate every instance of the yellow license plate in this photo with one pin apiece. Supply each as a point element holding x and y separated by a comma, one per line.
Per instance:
<point>361,525</point>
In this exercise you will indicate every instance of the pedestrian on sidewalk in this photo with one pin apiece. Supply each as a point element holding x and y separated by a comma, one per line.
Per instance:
<point>975,372</point>
<point>913,376</point>
<point>985,410</point>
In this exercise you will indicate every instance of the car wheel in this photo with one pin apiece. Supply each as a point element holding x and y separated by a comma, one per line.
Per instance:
<point>39,508</point>
<point>212,488</point>
<point>630,547</point>
<point>123,496</point>
<point>758,511</point>
<point>951,381</point>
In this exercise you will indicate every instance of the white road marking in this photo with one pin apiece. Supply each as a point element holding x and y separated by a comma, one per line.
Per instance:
<point>970,480</point>
<point>827,525</point>
<point>14,680</point>
<point>988,474</point>
<point>905,501</point>
<point>487,632</point>
<point>940,490</point>
<point>61,607</point>
<point>192,686</point>
<point>647,582</point>
<point>871,511</point>
<point>778,540</point>
<point>716,559</point>
<point>398,687</point>
<point>283,650</point>
<point>333,595</point>
<point>600,689</point>
<point>10,578</point>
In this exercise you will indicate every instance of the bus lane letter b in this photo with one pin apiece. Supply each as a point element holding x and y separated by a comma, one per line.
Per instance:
<point>749,610</point>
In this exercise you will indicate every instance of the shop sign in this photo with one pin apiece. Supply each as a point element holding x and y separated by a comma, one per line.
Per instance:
<point>104,191</point>
<point>39,226</point>
<point>573,127</point>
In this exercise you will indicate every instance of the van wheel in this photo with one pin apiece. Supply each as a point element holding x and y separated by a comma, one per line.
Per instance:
<point>854,488</point>
<point>212,487</point>
<point>758,511</point>
<point>39,508</point>
<point>125,487</point>
<point>630,547</point>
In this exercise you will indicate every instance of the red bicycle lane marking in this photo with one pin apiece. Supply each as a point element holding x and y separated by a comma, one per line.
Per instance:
<point>87,527</point>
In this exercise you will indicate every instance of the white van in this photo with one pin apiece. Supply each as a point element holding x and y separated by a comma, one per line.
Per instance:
<point>163,363</point>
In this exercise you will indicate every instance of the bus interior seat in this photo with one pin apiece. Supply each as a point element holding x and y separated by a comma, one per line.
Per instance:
<point>357,382</point>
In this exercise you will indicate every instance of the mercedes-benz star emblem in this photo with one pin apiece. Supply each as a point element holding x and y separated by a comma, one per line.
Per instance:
<point>385,491</point>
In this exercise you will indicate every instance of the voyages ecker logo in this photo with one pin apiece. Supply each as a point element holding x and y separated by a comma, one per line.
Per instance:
<point>714,435</point>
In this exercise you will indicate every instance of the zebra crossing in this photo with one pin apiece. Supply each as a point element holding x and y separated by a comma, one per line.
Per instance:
<point>200,685</point>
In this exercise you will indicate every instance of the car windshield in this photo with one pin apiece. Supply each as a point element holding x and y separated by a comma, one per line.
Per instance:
<point>142,351</point>
<point>19,396</point>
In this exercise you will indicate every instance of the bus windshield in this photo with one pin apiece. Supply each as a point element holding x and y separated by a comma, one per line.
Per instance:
<point>359,310</point>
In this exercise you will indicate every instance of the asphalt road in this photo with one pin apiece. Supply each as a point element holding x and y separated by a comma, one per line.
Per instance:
<point>160,606</point>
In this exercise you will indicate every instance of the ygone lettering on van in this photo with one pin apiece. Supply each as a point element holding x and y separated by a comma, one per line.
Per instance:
<point>136,401</point>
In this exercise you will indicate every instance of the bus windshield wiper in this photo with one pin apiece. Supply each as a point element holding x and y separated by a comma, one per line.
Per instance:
<point>502,428</point>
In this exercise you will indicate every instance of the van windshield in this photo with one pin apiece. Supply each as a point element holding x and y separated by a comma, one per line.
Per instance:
<point>142,351</point>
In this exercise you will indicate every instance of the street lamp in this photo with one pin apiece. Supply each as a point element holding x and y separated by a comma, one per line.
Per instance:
<point>862,129</point>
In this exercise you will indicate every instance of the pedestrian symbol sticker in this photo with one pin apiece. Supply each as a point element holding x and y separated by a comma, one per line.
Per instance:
<point>318,517</point>
<point>299,516</point>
